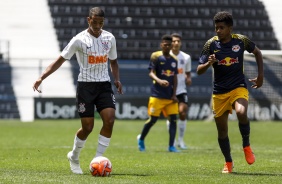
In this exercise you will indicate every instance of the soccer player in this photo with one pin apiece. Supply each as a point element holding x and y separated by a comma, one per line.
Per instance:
<point>183,79</point>
<point>163,71</point>
<point>224,53</point>
<point>93,48</point>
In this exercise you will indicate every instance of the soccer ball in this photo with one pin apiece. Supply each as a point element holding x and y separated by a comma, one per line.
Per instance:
<point>100,166</point>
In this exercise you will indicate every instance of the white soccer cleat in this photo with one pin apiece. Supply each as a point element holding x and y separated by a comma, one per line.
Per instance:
<point>74,165</point>
<point>182,145</point>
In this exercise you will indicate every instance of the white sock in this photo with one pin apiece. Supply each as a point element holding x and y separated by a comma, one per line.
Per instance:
<point>77,146</point>
<point>181,124</point>
<point>103,143</point>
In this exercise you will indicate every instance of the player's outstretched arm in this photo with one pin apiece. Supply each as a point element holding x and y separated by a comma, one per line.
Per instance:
<point>258,81</point>
<point>49,70</point>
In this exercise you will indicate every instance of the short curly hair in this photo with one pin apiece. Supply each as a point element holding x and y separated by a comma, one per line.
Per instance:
<point>96,11</point>
<point>166,37</point>
<point>225,17</point>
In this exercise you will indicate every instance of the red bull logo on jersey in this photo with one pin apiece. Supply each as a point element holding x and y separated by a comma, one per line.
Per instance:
<point>228,61</point>
<point>167,73</point>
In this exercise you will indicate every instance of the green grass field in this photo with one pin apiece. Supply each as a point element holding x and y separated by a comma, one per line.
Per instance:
<point>36,153</point>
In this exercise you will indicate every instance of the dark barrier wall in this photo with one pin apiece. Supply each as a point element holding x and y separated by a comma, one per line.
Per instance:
<point>199,109</point>
<point>55,108</point>
<point>126,108</point>
<point>136,108</point>
<point>264,103</point>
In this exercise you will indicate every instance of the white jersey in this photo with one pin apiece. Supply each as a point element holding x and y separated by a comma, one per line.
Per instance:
<point>92,55</point>
<point>184,65</point>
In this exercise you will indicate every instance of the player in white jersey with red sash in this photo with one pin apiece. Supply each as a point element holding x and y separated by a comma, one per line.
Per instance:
<point>184,79</point>
<point>93,48</point>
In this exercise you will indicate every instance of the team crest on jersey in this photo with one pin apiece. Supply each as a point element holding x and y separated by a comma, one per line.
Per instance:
<point>105,45</point>
<point>182,61</point>
<point>235,48</point>
<point>173,65</point>
<point>81,108</point>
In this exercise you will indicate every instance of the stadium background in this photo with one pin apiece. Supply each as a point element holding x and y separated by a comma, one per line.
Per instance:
<point>33,32</point>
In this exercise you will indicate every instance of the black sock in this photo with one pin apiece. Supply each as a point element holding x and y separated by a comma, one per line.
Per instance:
<point>172,129</point>
<point>224,145</point>
<point>245,133</point>
<point>148,124</point>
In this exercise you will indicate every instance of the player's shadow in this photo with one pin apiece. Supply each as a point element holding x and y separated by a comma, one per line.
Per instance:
<point>257,174</point>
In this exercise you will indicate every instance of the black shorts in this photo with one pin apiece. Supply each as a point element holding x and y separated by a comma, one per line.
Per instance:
<point>91,94</point>
<point>183,97</point>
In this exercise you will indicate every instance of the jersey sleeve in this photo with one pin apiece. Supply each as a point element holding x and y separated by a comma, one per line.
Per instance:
<point>70,49</point>
<point>153,60</point>
<point>113,51</point>
<point>249,45</point>
<point>205,52</point>
<point>188,64</point>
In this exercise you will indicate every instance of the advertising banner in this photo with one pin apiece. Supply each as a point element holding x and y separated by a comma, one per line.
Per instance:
<point>55,108</point>
<point>136,108</point>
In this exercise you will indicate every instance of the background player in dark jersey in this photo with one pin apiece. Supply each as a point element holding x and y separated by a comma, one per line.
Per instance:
<point>183,80</point>
<point>224,53</point>
<point>163,71</point>
<point>93,48</point>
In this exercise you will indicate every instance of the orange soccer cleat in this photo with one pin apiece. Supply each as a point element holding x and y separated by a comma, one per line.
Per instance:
<point>249,155</point>
<point>228,166</point>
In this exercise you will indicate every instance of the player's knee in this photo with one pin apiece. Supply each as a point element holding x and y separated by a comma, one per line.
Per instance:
<point>87,129</point>
<point>109,123</point>
<point>182,116</point>
<point>152,120</point>
<point>241,110</point>
<point>242,116</point>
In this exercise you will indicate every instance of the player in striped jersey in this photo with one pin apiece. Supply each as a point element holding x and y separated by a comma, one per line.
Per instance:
<point>225,53</point>
<point>93,48</point>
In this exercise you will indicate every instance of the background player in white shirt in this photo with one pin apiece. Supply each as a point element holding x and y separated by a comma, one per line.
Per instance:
<point>184,79</point>
<point>93,48</point>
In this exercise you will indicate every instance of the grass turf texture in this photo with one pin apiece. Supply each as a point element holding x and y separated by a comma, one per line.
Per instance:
<point>36,153</point>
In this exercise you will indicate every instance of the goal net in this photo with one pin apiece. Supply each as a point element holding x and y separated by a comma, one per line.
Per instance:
<point>265,103</point>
